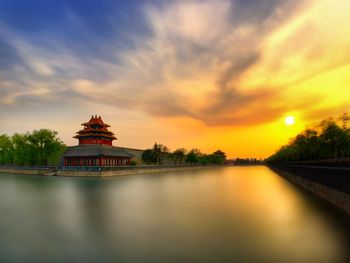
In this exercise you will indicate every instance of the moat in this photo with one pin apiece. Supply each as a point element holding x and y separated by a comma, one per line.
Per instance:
<point>228,214</point>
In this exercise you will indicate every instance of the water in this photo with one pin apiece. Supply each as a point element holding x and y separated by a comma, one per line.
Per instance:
<point>234,214</point>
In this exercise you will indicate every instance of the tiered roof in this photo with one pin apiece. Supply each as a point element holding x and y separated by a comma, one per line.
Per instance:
<point>96,150</point>
<point>95,127</point>
<point>95,120</point>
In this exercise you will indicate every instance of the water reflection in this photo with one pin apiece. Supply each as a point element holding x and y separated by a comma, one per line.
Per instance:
<point>218,215</point>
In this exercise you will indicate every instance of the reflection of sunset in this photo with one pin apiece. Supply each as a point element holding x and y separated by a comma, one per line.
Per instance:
<point>271,193</point>
<point>181,74</point>
<point>258,191</point>
<point>249,214</point>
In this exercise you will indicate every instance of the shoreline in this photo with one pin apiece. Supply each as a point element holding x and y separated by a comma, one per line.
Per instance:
<point>97,171</point>
<point>304,176</point>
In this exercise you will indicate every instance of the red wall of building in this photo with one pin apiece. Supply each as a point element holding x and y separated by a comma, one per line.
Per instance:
<point>95,141</point>
<point>96,161</point>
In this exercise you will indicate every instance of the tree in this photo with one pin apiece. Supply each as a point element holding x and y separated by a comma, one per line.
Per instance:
<point>45,147</point>
<point>179,155</point>
<point>41,147</point>
<point>307,145</point>
<point>345,118</point>
<point>218,157</point>
<point>148,157</point>
<point>160,152</point>
<point>193,156</point>
<point>205,159</point>
<point>334,141</point>
<point>21,152</point>
<point>6,150</point>
<point>327,140</point>
<point>155,155</point>
<point>163,152</point>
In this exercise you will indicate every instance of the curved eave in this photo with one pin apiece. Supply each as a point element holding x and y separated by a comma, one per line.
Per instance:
<point>94,123</point>
<point>93,131</point>
<point>96,150</point>
<point>95,135</point>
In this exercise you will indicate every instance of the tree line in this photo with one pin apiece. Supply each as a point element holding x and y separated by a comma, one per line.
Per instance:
<point>160,154</point>
<point>41,147</point>
<point>330,139</point>
<point>247,161</point>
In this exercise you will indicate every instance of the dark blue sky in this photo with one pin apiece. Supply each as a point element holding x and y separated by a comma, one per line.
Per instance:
<point>82,25</point>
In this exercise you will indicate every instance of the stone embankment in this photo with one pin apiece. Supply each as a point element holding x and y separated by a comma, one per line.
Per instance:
<point>329,183</point>
<point>96,171</point>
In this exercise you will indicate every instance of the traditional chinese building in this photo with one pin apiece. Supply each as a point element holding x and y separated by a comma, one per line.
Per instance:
<point>95,147</point>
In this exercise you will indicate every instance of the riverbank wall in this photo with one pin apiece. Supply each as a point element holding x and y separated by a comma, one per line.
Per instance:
<point>97,171</point>
<point>330,183</point>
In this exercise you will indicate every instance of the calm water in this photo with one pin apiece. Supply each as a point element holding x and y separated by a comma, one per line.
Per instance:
<point>235,214</point>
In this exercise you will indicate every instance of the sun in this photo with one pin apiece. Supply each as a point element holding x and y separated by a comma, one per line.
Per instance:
<point>289,120</point>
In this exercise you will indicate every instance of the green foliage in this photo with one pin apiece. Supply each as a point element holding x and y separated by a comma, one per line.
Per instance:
<point>205,159</point>
<point>133,163</point>
<point>148,157</point>
<point>331,142</point>
<point>160,154</point>
<point>6,150</point>
<point>193,156</point>
<point>179,155</point>
<point>155,155</point>
<point>41,147</point>
<point>218,157</point>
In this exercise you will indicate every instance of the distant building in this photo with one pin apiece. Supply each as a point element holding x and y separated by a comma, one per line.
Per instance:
<point>221,154</point>
<point>137,153</point>
<point>95,147</point>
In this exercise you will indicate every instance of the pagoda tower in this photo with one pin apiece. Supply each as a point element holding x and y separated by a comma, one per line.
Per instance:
<point>95,132</point>
<point>95,147</point>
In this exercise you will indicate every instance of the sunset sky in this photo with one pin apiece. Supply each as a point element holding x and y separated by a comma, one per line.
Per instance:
<point>210,74</point>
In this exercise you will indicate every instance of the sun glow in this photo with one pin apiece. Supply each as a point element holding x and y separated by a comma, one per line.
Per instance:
<point>289,120</point>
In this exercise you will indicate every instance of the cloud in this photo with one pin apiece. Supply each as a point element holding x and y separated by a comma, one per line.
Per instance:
<point>220,62</point>
<point>191,63</point>
<point>196,57</point>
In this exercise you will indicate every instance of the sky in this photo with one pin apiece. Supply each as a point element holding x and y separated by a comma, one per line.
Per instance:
<point>207,74</point>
